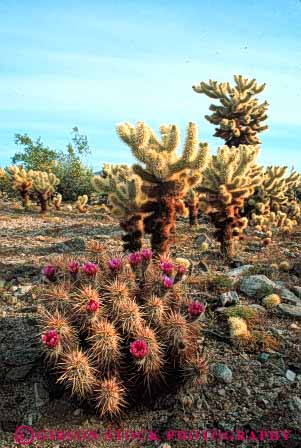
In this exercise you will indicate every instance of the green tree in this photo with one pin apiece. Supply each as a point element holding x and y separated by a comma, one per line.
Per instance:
<point>35,155</point>
<point>75,177</point>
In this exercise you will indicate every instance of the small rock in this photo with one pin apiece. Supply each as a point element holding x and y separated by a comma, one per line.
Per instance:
<point>221,392</point>
<point>222,372</point>
<point>229,298</point>
<point>297,291</point>
<point>257,286</point>
<point>295,404</point>
<point>24,289</point>
<point>256,307</point>
<point>78,412</point>
<point>239,271</point>
<point>203,238</point>
<point>293,311</point>
<point>263,357</point>
<point>18,373</point>
<point>2,283</point>
<point>203,266</point>
<point>290,375</point>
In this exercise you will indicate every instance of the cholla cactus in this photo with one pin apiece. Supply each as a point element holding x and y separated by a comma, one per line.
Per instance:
<point>124,192</point>
<point>239,117</point>
<point>273,205</point>
<point>229,179</point>
<point>22,182</point>
<point>44,185</point>
<point>57,201</point>
<point>122,330</point>
<point>81,203</point>
<point>192,203</point>
<point>166,177</point>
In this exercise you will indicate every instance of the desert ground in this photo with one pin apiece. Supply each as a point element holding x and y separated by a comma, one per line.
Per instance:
<point>258,387</point>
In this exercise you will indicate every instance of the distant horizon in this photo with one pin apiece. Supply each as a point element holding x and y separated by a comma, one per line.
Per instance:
<point>96,64</point>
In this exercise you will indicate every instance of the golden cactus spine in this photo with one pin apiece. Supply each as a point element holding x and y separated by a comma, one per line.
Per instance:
<point>166,177</point>
<point>229,179</point>
<point>124,192</point>
<point>22,182</point>
<point>44,185</point>
<point>81,203</point>
<point>239,117</point>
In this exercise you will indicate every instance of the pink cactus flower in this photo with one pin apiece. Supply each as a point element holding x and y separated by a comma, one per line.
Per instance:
<point>115,264</point>
<point>146,254</point>
<point>73,267</point>
<point>50,338</point>
<point>92,306</point>
<point>196,308</point>
<point>135,258</point>
<point>139,348</point>
<point>49,271</point>
<point>90,269</point>
<point>181,269</point>
<point>167,282</point>
<point>166,266</point>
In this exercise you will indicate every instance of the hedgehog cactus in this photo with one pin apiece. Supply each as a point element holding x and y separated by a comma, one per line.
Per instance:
<point>22,182</point>
<point>229,179</point>
<point>139,334</point>
<point>239,117</point>
<point>124,192</point>
<point>44,185</point>
<point>81,203</point>
<point>166,177</point>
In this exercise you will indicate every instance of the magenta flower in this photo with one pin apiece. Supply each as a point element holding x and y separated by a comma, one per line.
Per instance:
<point>92,306</point>
<point>73,267</point>
<point>167,282</point>
<point>50,338</point>
<point>139,348</point>
<point>115,264</point>
<point>49,271</point>
<point>146,254</point>
<point>135,258</point>
<point>181,269</point>
<point>166,267</point>
<point>90,269</point>
<point>196,308</point>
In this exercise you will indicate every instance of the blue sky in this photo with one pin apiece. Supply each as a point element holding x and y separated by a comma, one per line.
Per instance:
<point>94,64</point>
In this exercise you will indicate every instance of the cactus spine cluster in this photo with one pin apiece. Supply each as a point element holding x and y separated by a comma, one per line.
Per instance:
<point>274,203</point>
<point>117,330</point>
<point>22,182</point>
<point>166,177</point>
<point>125,195</point>
<point>44,185</point>
<point>230,178</point>
<point>81,203</point>
<point>239,117</point>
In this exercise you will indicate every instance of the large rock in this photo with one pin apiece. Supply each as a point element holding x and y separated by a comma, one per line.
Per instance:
<point>73,245</point>
<point>288,296</point>
<point>290,310</point>
<point>257,286</point>
<point>222,372</point>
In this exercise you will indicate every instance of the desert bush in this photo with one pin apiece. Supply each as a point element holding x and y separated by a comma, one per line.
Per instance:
<point>75,177</point>
<point>119,329</point>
